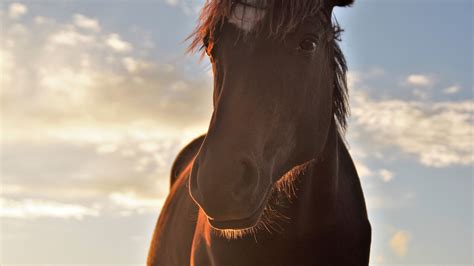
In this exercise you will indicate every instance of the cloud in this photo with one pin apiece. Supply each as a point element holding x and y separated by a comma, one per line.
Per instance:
<point>134,171</point>
<point>16,10</point>
<point>115,42</point>
<point>386,175</point>
<point>353,78</point>
<point>69,83</point>
<point>399,243</point>
<point>91,123</point>
<point>356,78</point>
<point>30,209</point>
<point>43,20</point>
<point>359,157</point>
<point>451,90</point>
<point>133,65</point>
<point>136,203</point>
<point>362,169</point>
<point>70,37</point>
<point>438,133</point>
<point>419,80</point>
<point>86,23</point>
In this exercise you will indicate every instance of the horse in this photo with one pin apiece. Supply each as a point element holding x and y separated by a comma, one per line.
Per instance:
<point>272,181</point>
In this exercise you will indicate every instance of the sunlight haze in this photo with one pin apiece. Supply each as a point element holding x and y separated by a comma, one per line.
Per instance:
<point>98,97</point>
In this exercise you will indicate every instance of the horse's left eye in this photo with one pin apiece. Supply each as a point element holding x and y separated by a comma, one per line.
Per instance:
<point>308,44</point>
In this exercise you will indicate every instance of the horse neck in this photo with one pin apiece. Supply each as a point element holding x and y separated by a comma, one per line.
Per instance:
<point>315,203</point>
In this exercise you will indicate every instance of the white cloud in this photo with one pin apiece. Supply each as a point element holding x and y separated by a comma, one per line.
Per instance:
<point>133,65</point>
<point>362,169</point>
<point>89,129</point>
<point>66,81</point>
<point>438,133</point>
<point>399,242</point>
<point>70,37</point>
<point>133,202</point>
<point>18,30</point>
<point>355,78</point>
<point>43,20</point>
<point>130,64</point>
<point>16,10</point>
<point>71,82</point>
<point>386,175</point>
<point>29,208</point>
<point>419,80</point>
<point>86,23</point>
<point>115,42</point>
<point>359,157</point>
<point>451,90</point>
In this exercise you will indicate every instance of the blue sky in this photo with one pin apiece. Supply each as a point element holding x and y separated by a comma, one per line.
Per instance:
<point>99,96</point>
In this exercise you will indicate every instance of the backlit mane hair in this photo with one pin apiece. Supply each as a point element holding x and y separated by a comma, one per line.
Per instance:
<point>284,17</point>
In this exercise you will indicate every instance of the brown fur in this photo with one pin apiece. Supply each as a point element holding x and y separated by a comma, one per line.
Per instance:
<point>272,182</point>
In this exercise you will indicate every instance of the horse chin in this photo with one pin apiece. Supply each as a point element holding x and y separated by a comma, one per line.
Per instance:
<point>241,224</point>
<point>245,224</point>
<point>265,216</point>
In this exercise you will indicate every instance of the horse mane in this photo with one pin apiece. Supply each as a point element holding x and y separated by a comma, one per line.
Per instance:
<point>340,104</point>
<point>285,16</point>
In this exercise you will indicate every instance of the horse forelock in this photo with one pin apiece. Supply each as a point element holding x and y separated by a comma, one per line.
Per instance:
<point>283,15</point>
<point>246,15</point>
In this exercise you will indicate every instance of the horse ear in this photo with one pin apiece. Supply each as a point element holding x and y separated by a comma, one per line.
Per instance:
<point>342,2</point>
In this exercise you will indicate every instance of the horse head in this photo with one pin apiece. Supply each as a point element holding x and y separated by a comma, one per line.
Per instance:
<point>279,86</point>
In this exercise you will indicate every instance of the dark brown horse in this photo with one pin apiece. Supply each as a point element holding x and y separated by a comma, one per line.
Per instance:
<point>272,182</point>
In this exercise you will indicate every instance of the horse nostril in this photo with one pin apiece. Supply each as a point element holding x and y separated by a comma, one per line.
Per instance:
<point>246,182</point>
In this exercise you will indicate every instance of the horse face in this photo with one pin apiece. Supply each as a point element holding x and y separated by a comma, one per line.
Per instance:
<point>272,112</point>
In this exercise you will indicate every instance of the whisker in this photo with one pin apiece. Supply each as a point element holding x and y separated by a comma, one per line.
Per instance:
<point>283,192</point>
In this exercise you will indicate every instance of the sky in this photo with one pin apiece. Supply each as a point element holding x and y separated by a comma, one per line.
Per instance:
<point>98,97</point>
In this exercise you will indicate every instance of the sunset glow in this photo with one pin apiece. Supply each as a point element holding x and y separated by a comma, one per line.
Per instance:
<point>98,98</point>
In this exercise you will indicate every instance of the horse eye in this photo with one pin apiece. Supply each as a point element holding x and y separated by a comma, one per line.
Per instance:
<point>308,45</point>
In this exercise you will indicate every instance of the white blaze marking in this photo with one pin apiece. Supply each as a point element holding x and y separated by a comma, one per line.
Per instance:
<point>246,17</point>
